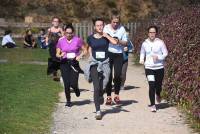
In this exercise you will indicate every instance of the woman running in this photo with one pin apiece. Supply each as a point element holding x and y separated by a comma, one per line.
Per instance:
<point>115,52</point>
<point>98,70</point>
<point>70,49</point>
<point>54,33</point>
<point>152,55</point>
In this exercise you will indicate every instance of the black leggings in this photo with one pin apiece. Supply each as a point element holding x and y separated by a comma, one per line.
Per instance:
<point>53,61</point>
<point>155,78</point>
<point>116,62</point>
<point>97,79</point>
<point>70,78</point>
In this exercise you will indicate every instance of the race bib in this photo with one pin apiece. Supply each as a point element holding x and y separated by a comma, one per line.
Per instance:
<point>150,78</point>
<point>100,55</point>
<point>71,55</point>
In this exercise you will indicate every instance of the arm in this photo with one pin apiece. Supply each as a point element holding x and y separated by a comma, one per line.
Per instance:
<point>83,50</point>
<point>111,39</point>
<point>164,52</point>
<point>142,54</point>
<point>163,55</point>
<point>62,32</point>
<point>26,43</point>
<point>124,40</point>
<point>123,43</point>
<point>59,53</point>
<point>47,37</point>
<point>11,40</point>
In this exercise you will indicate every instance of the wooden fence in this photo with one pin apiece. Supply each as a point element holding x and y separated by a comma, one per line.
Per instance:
<point>82,29</point>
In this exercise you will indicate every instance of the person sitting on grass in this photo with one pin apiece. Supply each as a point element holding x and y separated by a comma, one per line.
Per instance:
<point>29,41</point>
<point>7,41</point>
<point>41,39</point>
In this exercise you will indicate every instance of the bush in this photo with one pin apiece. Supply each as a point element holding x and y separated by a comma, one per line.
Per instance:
<point>181,33</point>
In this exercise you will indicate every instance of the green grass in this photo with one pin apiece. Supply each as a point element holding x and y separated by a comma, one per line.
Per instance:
<point>27,95</point>
<point>17,55</point>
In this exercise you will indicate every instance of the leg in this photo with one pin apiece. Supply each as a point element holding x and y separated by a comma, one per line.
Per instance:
<point>10,45</point>
<point>96,84</point>
<point>109,85</point>
<point>159,74</point>
<point>151,80</point>
<point>123,75</point>
<point>74,82</point>
<point>65,72</point>
<point>118,63</point>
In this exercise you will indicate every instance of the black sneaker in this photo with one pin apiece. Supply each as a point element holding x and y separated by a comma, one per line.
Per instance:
<point>68,104</point>
<point>77,92</point>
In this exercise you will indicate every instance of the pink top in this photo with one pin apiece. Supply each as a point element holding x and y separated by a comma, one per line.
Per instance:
<point>72,47</point>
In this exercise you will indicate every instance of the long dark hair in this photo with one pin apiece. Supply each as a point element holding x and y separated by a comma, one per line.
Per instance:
<point>66,26</point>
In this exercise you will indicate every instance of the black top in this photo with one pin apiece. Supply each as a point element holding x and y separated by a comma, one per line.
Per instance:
<point>99,47</point>
<point>29,39</point>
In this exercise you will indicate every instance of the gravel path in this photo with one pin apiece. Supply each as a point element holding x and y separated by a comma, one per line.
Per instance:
<point>133,116</point>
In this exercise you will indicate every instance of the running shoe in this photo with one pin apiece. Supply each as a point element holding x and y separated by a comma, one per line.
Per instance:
<point>109,101</point>
<point>77,92</point>
<point>121,87</point>
<point>117,100</point>
<point>153,108</point>
<point>68,104</point>
<point>98,115</point>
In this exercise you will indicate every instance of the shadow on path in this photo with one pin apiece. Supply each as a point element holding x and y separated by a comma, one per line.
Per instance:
<point>163,105</point>
<point>79,103</point>
<point>129,87</point>
<point>119,108</point>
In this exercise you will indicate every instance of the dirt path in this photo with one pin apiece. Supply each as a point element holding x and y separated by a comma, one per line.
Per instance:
<point>132,117</point>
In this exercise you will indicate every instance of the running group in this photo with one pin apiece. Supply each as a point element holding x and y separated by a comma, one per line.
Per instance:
<point>108,49</point>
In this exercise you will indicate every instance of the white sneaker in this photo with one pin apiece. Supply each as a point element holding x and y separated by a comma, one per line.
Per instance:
<point>153,108</point>
<point>98,115</point>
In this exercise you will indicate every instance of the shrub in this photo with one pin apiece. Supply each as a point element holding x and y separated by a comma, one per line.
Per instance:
<point>181,32</point>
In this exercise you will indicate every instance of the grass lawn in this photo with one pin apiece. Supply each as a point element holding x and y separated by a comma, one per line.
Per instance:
<point>27,95</point>
<point>23,54</point>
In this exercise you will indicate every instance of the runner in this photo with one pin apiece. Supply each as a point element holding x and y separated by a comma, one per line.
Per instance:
<point>115,53</point>
<point>70,49</point>
<point>54,33</point>
<point>154,51</point>
<point>98,68</point>
<point>127,49</point>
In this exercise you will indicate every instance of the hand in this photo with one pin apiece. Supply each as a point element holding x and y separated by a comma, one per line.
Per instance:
<point>78,58</point>
<point>141,62</point>
<point>155,58</point>
<point>60,55</point>
<point>125,49</point>
<point>105,35</point>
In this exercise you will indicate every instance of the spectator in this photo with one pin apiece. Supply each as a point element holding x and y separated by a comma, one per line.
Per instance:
<point>29,41</point>
<point>7,41</point>
<point>41,39</point>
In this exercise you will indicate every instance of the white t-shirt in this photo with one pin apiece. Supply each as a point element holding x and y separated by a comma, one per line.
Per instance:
<point>120,33</point>
<point>6,39</point>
